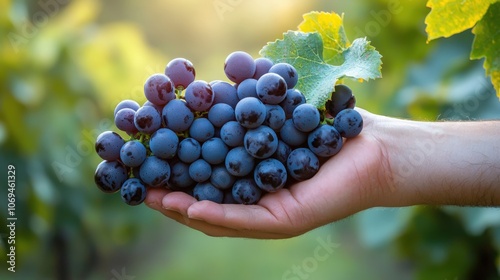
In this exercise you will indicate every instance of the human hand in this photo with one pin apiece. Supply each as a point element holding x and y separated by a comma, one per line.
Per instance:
<point>353,180</point>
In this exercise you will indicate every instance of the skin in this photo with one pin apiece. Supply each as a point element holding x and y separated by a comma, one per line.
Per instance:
<point>392,163</point>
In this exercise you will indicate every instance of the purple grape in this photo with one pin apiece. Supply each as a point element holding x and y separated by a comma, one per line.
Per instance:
<point>239,66</point>
<point>159,89</point>
<point>181,71</point>
<point>199,96</point>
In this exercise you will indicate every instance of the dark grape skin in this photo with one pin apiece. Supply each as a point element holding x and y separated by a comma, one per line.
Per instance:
<point>293,99</point>
<point>110,175</point>
<point>206,191</point>
<point>159,89</point>
<point>261,142</point>
<point>199,96</point>
<point>155,172</point>
<point>224,92</point>
<point>250,112</point>
<point>262,66</point>
<point>133,153</point>
<point>127,103</point>
<point>342,98</point>
<point>271,88</point>
<point>270,175</point>
<point>302,164</point>
<point>147,119</point>
<point>181,71</point>
<point>239,66</point>
<point>124,121</point>
<point>287,71</point>
<point>245,191</point>
<point>325,141</point>
<point>108,145</point>
<point>133,192</point>
<point>348,123</point>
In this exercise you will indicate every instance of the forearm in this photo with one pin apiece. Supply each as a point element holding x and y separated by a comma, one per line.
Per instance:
<point>441,163</point>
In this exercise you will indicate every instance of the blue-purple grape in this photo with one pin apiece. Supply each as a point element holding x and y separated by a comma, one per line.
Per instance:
<point>239,66</point>
<point>200,170</point>
<point>239,162</point>
<point>206,191</point>
<point>348,123</point>
<point>325,141</point>
<point>133,153</point>
<point>164,143</point>
<point>302,164</point>
<point>189,150</point>
<point>181,71</point>
<point>127,103</point>
<point>159,89</point>
<point>110,175</point>
<point>261,142</point>
<point>177,116</point>
<point>287,72</point>
<point>271,88</point>
<point>220,114</point>
<point>214,151</point>
<point>133,192</point>
<point>155,172</point>
<point>270,175</point>
<point>108,145</point>
<point>306,117</point>
<point>201,129</point>
<point>199,96</point>
<point>232,133</point>
<point>250,112</point>
<point>262,66</point>
<point>245,191</point>
<point>147,119</point>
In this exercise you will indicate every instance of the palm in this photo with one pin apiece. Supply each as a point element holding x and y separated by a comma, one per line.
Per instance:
<point>340,188</point>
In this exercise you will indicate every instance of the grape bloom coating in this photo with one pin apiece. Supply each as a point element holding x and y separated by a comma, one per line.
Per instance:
<point>224,141</point>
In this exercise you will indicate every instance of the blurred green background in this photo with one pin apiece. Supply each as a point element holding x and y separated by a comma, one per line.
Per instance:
<point>64,65</point>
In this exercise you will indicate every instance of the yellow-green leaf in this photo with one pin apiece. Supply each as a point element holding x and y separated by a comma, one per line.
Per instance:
<point>330,27</point>
<point>448,17</point>
<point>487,44</point>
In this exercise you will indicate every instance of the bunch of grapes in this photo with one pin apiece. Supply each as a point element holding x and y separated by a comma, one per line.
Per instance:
<point>221,141</point>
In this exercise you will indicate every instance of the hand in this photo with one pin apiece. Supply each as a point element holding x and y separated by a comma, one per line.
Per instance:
<point>353,180</point>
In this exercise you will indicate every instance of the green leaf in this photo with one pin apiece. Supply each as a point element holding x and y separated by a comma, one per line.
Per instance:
<point>330,27</point>
<point>317,78</point>
<point>448,17</point>
<point>487,44</point>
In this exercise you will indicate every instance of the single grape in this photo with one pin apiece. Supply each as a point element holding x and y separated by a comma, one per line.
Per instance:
<point>108,145</point>
<point>177,116</point>
<point>239,66</point>
<point>261,142</point>
<point>147,119</point>
<point>282,152</point>
<point>232,133</point>
<point>250,112</point>
<point>179,177</point>
<point>287,71</point>
<point>189,150</point>
<point>293,99</point>
<point>206,191</point>
<point>127,103</point>
<point>133,153</point>
<point>342,98</point>
<point>291,135</point>
<point>306,117</point>
<point>181,71</point>
<point>159,89</point>
<point>201,129</point>
<point>124,121</point>
<point>110,175</point>
<point>214,151</point>
<point>245,191</point>
<point>199,96</point>
<point>275,117</point>
<point>158,108</point>
<point>247,88</point>
<point>325,141</point>
<point>348,123</point>
<point>271,88</point>
<point>155,172</point>
<point>302,164</point>
<point>262,66</point>
<point>224,92</point>
<point>164,143</point>
<point>133,192</point>
<point>221,178</point>
<point>200,170</point>
<point>270,175</point>
<point>238,162</point>
<point>220,114</point>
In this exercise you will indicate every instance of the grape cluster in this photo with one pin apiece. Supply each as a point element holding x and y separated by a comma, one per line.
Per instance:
<point>221,141</point>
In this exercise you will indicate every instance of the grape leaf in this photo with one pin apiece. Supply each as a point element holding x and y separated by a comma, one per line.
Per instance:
<point>316,77</point>
<point>330,27</point>
<point>487,44</point>
<point>448,17</point>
